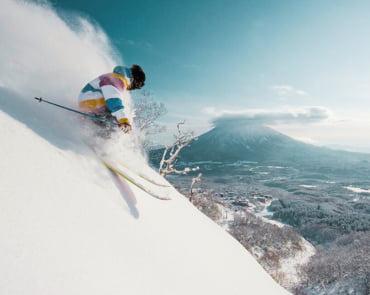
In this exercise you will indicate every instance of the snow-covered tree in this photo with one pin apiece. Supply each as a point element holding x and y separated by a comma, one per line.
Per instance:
<point>147,113</point>
<point>171,152</point>
<point>194,181</point>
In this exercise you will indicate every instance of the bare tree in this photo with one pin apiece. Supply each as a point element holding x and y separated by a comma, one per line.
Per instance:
<point>194,181</point>
<point>207,203</point>
<point>147,113</point>
<point>347,258</point>
<point>170,154</point>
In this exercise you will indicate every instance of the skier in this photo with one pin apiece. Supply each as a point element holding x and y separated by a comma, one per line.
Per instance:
<point>103,96</point>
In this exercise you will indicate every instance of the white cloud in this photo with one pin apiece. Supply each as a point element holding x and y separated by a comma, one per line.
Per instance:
<point>287,91</point>
<point>306,139</point>
<point>305,115</point>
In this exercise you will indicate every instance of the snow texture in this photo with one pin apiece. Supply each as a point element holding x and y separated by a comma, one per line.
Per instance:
<point>68,226</point>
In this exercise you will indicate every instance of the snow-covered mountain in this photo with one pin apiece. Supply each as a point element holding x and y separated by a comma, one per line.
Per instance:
<point>241,141</point>
<point>68,226</point>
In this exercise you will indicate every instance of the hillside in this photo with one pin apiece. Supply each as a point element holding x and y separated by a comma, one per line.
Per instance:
<point>69,227</point>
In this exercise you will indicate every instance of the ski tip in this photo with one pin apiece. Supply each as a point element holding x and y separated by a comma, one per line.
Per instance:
<point>132,181</point>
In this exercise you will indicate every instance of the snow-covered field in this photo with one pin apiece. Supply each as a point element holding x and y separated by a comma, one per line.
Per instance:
<point>357,190</point>
<point>265,214</point>
<point>308,186</point>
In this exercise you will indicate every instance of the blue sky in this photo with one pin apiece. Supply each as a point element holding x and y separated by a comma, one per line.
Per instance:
<point>203,58</point>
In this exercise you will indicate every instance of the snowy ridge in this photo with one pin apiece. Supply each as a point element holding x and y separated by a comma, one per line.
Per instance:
<point>70,227</point>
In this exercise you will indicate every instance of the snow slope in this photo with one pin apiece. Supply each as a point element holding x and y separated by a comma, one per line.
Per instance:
<point>68,226</point>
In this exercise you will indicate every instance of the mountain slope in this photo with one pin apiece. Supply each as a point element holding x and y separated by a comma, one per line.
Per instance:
<point>69,227</point>
<point>251,142</point>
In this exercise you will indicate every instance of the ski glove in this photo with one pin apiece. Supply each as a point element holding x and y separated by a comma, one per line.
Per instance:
<point>124,125</point>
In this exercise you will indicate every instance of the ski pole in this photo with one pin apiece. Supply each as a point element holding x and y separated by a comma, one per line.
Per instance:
<point>91,116</point>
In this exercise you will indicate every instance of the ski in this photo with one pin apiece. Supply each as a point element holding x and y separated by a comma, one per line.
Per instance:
<point>133,172</point>
<point>131,180</point>
<point>125,175</point>
<point>145,177</point>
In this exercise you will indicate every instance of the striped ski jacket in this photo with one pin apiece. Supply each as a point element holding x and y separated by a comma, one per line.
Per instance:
<point>105,93</point>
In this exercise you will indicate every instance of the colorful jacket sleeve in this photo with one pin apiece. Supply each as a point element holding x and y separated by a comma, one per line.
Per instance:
<point>112,89</point>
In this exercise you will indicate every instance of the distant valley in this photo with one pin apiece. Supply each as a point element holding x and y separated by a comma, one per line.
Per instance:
<point>324,193</point>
